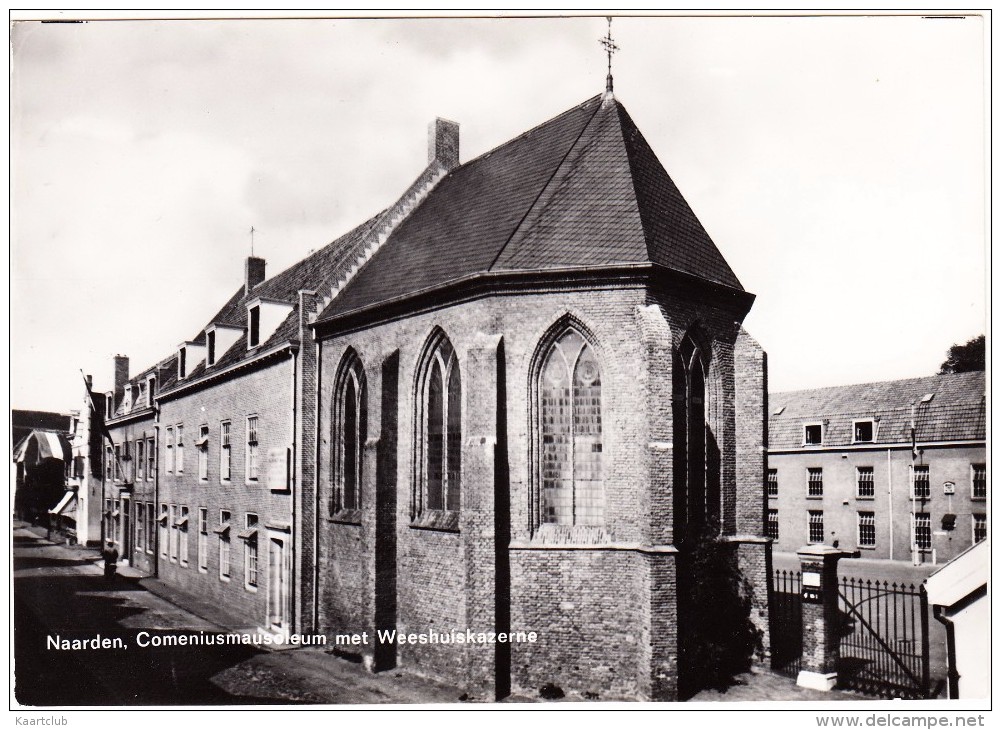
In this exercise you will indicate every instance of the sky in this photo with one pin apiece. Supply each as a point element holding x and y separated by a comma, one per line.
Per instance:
<point>838,163</point>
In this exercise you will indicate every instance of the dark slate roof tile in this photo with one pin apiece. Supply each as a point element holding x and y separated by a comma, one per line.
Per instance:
<point>956,412</point>
<point>581,190</point>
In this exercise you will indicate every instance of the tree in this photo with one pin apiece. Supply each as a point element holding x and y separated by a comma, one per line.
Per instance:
<point>966,358</point>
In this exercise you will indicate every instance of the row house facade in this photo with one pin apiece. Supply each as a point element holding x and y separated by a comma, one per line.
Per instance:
<point>513,401</point>
<point>894,470</point>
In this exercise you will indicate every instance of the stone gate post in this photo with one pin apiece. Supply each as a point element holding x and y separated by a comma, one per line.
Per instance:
<point>821,624</point>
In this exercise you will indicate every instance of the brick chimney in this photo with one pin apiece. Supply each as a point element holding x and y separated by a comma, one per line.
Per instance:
<point>121,376</point>
<point>443,143</point>
<point>254,273</point>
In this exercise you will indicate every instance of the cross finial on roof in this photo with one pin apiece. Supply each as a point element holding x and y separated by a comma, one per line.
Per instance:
<point>609,45</point>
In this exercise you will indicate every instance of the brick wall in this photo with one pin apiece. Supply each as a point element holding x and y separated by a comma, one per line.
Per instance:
<point>265,391</point>
<point>608,612</point>
<point>142,557</point>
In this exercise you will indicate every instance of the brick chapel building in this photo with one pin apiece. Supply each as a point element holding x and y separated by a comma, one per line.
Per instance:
<point>507,403</point>
<point>535,390</point>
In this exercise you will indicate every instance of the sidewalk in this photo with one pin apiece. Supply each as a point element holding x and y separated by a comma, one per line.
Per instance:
<point>314,675</point>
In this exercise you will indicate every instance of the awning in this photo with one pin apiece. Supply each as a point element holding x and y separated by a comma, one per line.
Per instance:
<point>66,504</point>
<point>39,445</point>
<point>221,529</point>
<point>203,441</point>
<point>181,522</point>
<point>116,513</point>
<point>248,534</point>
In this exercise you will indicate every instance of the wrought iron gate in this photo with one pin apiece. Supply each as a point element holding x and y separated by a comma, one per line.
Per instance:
<point>884,639</point>
<point>786,617</point>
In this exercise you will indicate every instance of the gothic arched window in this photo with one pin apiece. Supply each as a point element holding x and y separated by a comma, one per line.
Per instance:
<point>571,469</point>
<point>697,495</point>
<point>349,433</point>
<point>440,421</point>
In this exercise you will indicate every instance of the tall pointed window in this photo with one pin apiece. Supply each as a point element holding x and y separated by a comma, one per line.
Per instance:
<point>571,469</point>
<point>697,452</point>
<point>348,439</point>
<point>440,462</point>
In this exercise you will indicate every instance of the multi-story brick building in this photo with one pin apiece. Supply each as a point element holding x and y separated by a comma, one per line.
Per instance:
<point>130,461</point>
<point>513,401</point>
<point>895,470</point>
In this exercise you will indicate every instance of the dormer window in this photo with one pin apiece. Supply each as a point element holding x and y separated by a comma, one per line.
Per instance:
<point>151,387</point>
<point>109,405</point>
<point>813,434</point>
<point>182,362</point>
<point>128,397</point>
<point>254,336</point>
<point>264,317</point>
<point>210,341</point>
<point>863,432</point>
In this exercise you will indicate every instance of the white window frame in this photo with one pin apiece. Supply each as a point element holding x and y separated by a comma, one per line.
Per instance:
<point>872,422</point>
<point>809,482</point>
<point>225,452</point>
<point>182,363</point>
<point>914,480</point>
<point>822,434</point>
<point>914,532</point>
<point>179,449</point>
<point>253,341</point>
<point>973,527</point>
<point>203,452</point>
<point>810,514</point>
<point>174,535</point>
<point>150,526</point>
<point>251,554</point>
<point>203,540</point>
<point>140,469</point>
<point>169,447</point>
<point>870,515</point>
<point>252,463</point>
<point>225,546</point>
<point>210,348</point>
<point>182,536</point>
<point>772,511</point>
<point>769,482</point>
<point>858,482</point>
<point>163,527</point>
<point>973,494</point>
<point>150,459</point>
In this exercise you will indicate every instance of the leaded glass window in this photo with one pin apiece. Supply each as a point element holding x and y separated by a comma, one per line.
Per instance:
<point>572,449</point>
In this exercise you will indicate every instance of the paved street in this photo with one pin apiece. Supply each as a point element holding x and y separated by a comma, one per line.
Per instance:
<point>60,591</point>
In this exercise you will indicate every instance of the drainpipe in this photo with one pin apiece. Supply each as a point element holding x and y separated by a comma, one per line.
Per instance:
<point>316,490</point>
<point>950,640</point>
<point>889,497</point>
<point>293,481</point>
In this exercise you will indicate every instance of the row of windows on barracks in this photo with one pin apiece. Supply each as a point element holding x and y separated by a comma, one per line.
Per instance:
<point>503,466</point>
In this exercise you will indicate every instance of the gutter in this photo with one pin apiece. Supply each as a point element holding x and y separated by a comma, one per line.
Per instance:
<point>209,378</point>
<point>493,283</point>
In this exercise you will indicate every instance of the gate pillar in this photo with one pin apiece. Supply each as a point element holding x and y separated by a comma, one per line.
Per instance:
<point>821,624</point>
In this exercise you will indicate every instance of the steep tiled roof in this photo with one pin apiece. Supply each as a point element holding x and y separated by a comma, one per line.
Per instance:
<point>316,272</point>
<point>24,422</point>
<point>581,190</point>
<point>956,411</point>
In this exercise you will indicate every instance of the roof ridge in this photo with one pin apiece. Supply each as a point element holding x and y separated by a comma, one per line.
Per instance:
<point>873,382</point>
<point>548,182</point>
<point>527,132</point>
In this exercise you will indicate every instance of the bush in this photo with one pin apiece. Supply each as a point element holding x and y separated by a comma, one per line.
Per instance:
<point>716,639</point>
